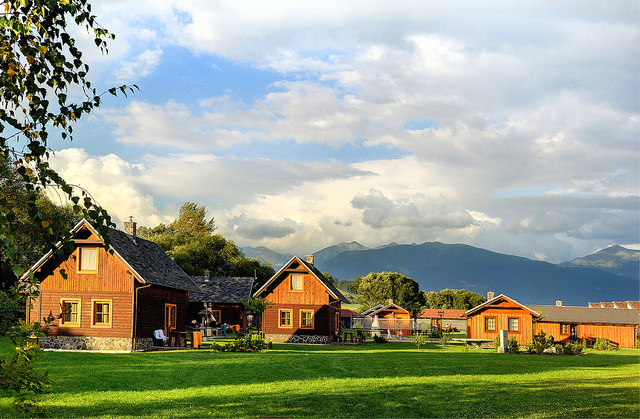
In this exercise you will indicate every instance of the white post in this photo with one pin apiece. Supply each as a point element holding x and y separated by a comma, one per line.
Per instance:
<point>504,342</point>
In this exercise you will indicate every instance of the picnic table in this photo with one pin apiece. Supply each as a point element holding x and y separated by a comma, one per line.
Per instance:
<point>180,338</point>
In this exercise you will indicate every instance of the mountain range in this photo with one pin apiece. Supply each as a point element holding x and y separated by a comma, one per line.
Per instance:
<point>608,275</point>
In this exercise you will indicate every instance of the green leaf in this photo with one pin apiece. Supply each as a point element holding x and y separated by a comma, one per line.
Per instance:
<point>18,271</point>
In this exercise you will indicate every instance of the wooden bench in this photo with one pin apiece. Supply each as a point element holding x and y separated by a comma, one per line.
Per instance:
<point>473,342</point>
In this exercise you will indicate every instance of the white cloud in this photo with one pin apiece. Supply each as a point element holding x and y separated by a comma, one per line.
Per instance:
<point>141,66</point>
<point>534,103</point>
<point>112,182</point>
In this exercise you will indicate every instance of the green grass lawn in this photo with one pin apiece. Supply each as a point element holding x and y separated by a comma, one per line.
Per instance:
<point>370,380</point>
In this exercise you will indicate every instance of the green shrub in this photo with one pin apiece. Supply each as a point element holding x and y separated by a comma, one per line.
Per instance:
<point>540,343</point>
<point>603,345</point>
<point>559,348</point>
<point>419,339</point>
<point>574,348</point>
<point>248,343</point>
<point>446,338</point>
<point>10,312</point>
<point>379,339</point>
<point>514,346</point>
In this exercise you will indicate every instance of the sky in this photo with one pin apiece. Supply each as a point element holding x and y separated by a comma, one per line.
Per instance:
<point>511,126</point>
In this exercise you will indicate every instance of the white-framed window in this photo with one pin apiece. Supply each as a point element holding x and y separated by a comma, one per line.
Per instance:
<point>297,282</point>
<point>514,324</point>
<point>88,259</point>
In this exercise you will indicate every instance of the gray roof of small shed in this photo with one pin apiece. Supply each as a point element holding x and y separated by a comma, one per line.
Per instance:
<point>588,315</point>
<point>222,289</point>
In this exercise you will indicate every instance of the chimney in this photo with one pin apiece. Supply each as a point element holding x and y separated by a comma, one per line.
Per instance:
<point>207,275</point>
<point>130,227</point>
<point>310,259</point>
<point>558,303</point>
<point>490,295</point>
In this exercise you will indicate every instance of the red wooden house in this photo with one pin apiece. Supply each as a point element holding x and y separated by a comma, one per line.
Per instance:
<point>617,325</point>
<point>110,301</point>
<point>501,313</point>
<point>306,306</point>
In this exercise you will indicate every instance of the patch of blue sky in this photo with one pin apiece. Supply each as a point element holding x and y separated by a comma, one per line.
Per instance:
<point>420,124</point>
<point>289,150</point>
<point>186,78</point>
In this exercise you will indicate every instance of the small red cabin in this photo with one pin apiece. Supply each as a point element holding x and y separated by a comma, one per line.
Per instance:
<point>306,307</point>
<point>109,301</point>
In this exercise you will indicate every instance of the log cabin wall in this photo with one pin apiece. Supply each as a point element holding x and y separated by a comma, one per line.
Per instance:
<point>312,297</point>
<point>151,309</point>
<point>111,282</point>
<point>500,312</point>
<point>321,320</point>
<point>551,329</point>
<point>622,335</point>
<point>312,293</point>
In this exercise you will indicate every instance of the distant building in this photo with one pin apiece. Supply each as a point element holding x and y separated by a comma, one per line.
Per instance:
<point>619,326</point>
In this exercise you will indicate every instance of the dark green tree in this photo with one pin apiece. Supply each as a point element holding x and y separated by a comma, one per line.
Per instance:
<point>378,288</point>
<point>192,220</point>
<point>453,299</point>
<point>329,278</point>
<point>189,240</point>
<point>44,89</point>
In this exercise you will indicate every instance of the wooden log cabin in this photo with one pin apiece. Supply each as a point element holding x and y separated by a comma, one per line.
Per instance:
<point>306,307</point>
<point>109,301</point>
<point>617,325</point>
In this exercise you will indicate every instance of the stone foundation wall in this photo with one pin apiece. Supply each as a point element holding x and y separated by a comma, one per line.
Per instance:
<point>143,344</point>
<point>278,338</point>
<point>85,343</point>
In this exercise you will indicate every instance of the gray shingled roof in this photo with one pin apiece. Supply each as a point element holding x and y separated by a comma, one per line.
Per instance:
<point>150,262</point>
<point>222,289</point>
<point>566,314</point>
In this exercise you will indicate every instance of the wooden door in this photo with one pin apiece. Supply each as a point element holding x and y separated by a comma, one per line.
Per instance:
<point>170,318</point>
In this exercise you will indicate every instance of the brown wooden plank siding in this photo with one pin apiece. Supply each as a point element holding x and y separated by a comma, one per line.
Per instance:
<point>113,281</point>
<point>113,275</point>
<point>321,320</point>
<point>122,307</point>
<point>313,292</point>
<point>501,312</point>
<point>622,335</point>
<point>314,296</point>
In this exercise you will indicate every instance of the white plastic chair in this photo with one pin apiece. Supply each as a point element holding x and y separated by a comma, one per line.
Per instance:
<point>159,335</point>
